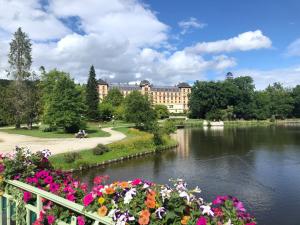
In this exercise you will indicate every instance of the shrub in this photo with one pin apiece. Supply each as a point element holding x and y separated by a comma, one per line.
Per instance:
<point>82,163</point>
<point>169,127</point>
<point>100,149</point>
<point>71,157</point>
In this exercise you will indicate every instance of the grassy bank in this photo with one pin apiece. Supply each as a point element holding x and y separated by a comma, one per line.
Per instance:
<point>242,123</point>
<point>92,129</point>
<point>135,142</point>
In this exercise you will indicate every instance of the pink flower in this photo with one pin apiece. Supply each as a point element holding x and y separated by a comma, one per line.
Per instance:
<point>136,182</point>
<point>88,199</point>
<point>218,212</point>
<point>70,197</point>
<point>26,196</point>
<point>219,200</point>
<point>84,187</point>
<point>80,220</point>
<point>201,221</point>
<point>239,206</point>
<point>51,219</point>
<point>1,168</point>
<point>48,180</point>
<point>54,187</point>
<point>98,180</point>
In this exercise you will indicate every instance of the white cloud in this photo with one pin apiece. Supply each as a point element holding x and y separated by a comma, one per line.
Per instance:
<point>192,22</point>
<point>30,16</point>
<point>289,76</point>
<point>243,42</point>
<point>124,40</point>
<point>294,48</point>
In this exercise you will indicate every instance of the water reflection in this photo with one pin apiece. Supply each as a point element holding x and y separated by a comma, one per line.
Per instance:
<point>261,166</point>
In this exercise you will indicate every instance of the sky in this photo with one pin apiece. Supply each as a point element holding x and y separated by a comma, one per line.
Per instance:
<point>166,42</point>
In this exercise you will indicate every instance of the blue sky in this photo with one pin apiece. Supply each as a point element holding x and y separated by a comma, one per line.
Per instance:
<point>163,41</point>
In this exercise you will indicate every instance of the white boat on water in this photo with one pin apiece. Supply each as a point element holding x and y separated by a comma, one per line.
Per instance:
<point>213,123</point>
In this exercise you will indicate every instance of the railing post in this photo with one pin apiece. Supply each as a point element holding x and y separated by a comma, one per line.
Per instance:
<point>73,220</point>
<point>28,217</point>
<point>8,212</point>
<point>1,210</point>
<point>39,205</point>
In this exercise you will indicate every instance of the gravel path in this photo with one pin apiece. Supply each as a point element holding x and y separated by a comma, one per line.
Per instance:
<point>56,145</point>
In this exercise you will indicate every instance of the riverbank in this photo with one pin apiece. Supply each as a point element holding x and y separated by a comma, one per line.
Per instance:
<point>136,143</point>
<point>199,122</point>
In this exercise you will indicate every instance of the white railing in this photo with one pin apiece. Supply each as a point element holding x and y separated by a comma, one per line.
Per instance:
<point>41,194</point>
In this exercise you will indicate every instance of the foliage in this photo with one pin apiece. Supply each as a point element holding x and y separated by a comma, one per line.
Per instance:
<point>281,101</point>
<point>237,99</point>
<point>296,96</point>
<point>105,111</point>
<point>64,106</point>
<point>138,110</point>
<point>169,127</point>
<point>119,112</point>
<point>92,96</point>
<point>22,93</point>
<point>100,149</point>
<point>71,157</point>
<point>161,111</point>
<point>114,97</point>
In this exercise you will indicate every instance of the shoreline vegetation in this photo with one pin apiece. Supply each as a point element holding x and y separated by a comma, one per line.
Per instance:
<point>136,143</point>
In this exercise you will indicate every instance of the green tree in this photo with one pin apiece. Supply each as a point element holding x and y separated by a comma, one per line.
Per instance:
<point>105,111</point>
<point>161,111</point>
<point>281,101</point>
<point>22,101</point>
<point>64,106</point>
<point>262,109</point>
<point>114,97</point>
<point>92,96</point>
<point>296,97</point>
<point>138,110</point>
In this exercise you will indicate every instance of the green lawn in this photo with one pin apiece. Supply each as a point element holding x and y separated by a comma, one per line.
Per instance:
<point>135,142</point>
<point>92,129</point>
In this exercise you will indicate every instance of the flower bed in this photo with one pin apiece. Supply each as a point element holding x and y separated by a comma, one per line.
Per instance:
<point>126,202</point>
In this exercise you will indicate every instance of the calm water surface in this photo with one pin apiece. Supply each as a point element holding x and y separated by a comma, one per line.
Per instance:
<point>259,165</point>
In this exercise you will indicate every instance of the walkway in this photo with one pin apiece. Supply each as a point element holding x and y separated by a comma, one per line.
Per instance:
<point>56,145</point>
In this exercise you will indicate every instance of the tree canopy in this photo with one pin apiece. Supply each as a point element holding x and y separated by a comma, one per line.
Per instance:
<point>92,96</point>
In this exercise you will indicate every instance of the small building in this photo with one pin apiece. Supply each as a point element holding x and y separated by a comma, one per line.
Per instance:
<point>174,97</point>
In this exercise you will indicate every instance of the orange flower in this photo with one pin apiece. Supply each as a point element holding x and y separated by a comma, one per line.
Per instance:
<point>143,220</point>
<point>150,204</point>
<point>185,220</point>
<point>145,213</point>
<point>102,211</point>
<point>124,184</point>
<point>109,190</point>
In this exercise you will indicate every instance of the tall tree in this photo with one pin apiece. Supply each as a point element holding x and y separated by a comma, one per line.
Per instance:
<point>64,106</point>
<point>92,96</point>
<point>20,61</point>
<point>114,97</point>
<point>138,110</point>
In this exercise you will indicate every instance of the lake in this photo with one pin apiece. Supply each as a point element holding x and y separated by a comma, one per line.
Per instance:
<point>259,165</point>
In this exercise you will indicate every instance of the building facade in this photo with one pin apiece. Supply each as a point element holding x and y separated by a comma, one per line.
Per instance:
<point>174,97</point>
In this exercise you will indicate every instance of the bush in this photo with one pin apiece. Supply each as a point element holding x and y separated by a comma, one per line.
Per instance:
<point>71,157</point>
<point>100,149</point>
<point>49,129</point>
<point>82,163</point>
<point>169,127</point>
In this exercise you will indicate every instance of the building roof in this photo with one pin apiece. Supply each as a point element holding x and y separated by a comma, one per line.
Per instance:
<point>144,82</point>
<point>102,82</point>
<point>183,85</point>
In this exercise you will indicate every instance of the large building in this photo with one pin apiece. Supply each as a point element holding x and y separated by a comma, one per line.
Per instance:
<point>175,98</point>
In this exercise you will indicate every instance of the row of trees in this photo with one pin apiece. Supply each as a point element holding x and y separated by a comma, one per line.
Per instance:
<point>237,99</point>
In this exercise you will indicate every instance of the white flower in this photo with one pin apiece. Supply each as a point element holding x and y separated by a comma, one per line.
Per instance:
<point>129,195</point>
<point>46,153</point>
<point>146,186</point>
<point>184,194</point>
<point>165,193</point>
<point>206,210</point>
<point>228,222</point>
<point>111,213</point>
<point>197,190</point>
